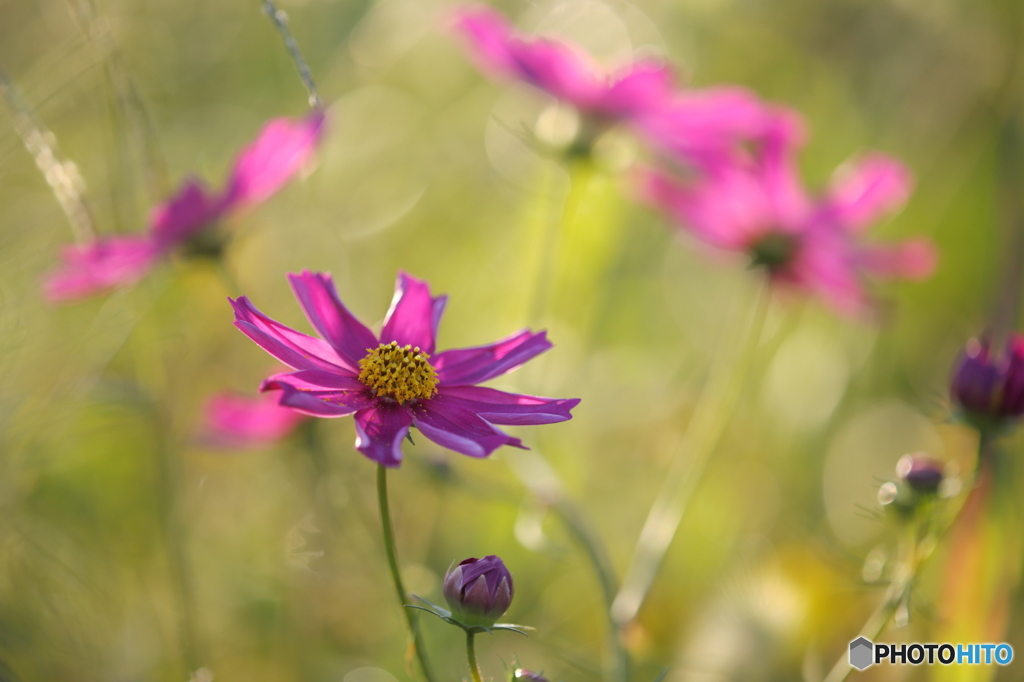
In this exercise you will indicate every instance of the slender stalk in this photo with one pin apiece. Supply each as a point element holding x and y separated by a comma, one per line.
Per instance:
<point>579,179</point>
<point>61,174</point>
<point>912,560</point>
<point>181,575</point>
<point>474,669</point>
<point>396,576</point>
<point>531,468</point>
<point>280,19</point>
<point>704,430</point>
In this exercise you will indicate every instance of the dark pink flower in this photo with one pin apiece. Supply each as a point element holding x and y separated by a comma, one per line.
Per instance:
<point>562,70</point>
<point>756,204</point>
<point>235,421</point>
<point>395,381</point>
<point>281,149</point>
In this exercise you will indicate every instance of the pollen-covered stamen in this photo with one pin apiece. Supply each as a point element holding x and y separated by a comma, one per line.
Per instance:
<point>397,372</point>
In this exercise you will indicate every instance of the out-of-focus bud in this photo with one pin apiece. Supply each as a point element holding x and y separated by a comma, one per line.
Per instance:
<point>478,591</point>
<point>521,675</point>
<point>922,473</point>
<point>989,390</point>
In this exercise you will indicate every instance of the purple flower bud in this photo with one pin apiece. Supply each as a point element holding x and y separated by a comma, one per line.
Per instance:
<point>922,473</point>
<point>990,390</point>
<point>527,676</point>
<point>478,591</point>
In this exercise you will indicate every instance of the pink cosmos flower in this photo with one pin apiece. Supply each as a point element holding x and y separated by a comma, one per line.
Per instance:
<point>278,153</point>
<point>236,422</point>
<point>560,69</point>
<point>701,128</point>
<point>394,381</point>
<point>757,205</point>
<point>694,126</point>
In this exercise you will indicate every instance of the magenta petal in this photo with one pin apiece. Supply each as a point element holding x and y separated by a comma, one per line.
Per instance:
<point>641,90</point>
<point>487,33</point>
<point>784,189</point>
<point>282,148</point>
<point>704,127</point>
<point>465,366</point>
<point>558,69</point>
<point>913,259</point>
<point>287,345</point>
<point>190,209</point>
<point>868,189</point>
<point>414,315</point>
<point>319,403</point>
<point>727,209</point>
<point>460,429</point>
<point>313,380</point>
<point>380,430</point>
<point>240,421</point>
<point>510,409</point>
<point>90,268</point>
<point>330,317</point>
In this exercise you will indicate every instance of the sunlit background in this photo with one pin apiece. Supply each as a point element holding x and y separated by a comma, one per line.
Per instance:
<point>422,169</point>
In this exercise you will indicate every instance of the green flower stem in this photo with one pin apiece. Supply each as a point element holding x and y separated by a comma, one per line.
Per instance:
<point>595,552</point>
<point>579,178</point>
<point>389,544</point>
<point>705,429</point>
<point>531,468</point>
<point>913,555</point>
<point>174,541</point>
<point>280,21</point>
<point>474,669</point>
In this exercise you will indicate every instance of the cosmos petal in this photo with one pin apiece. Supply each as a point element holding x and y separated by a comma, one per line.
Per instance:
<point>414,315</point>
<point>380,430</point>
<point>464,366</point>
<point>280,150</point>
<point>287,345</point>
<point>460,429</point>
<point>104,264</point>
<point>329,316</point>
<point>510,409</point>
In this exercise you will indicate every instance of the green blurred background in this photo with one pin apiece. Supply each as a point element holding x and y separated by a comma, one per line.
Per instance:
<point>421,170</point>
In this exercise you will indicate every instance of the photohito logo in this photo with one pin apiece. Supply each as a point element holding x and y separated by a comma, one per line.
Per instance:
<point>865,653</point>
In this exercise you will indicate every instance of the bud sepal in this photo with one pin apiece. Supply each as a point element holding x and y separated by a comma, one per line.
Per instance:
<point>447,616</point>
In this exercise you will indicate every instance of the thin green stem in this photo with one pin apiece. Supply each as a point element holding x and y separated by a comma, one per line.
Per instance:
<point>474,669</point>
<point>280,20</point>
<point>396,576</point>
<point>532,469</point>
<point>181,575</point>
<point>595,552</point>
<point>579,179</point>
<point>699,442</point>
<point>911,560</point>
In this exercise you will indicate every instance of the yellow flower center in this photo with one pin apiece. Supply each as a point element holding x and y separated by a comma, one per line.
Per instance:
<point>397,372</point>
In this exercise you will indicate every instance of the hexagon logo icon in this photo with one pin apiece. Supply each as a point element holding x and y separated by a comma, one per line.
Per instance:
<point>861,653</point>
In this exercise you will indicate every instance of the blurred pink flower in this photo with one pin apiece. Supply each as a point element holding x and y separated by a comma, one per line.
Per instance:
<point>705,127</point>
<point>693,126</point>
<point>756,204</point>
<point>281,149</point>
<point>235,421</point>
<point>394,381</point>
<point>562,70</point>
